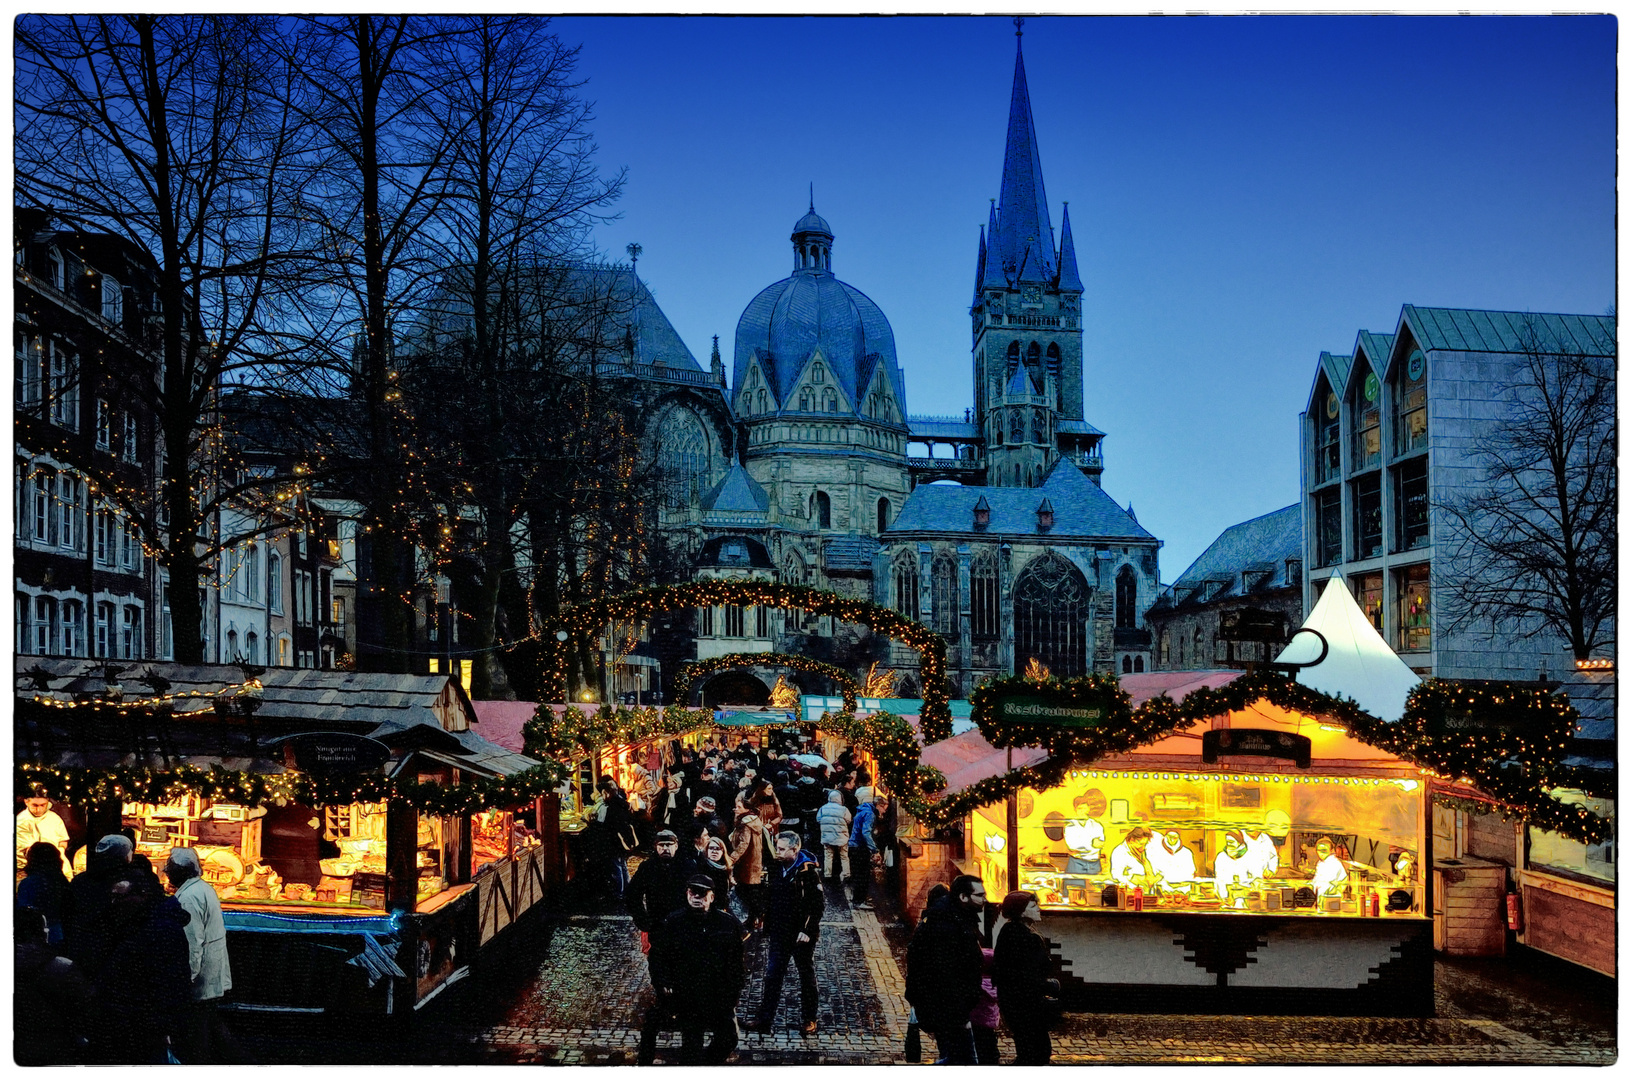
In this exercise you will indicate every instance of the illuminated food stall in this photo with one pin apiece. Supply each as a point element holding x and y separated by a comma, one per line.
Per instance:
<point>1262,859</point>
<point>337,815</point>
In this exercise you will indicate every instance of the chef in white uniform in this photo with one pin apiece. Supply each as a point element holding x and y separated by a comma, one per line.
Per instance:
<point>1173,861</point>
<point>1329,873</point>
<point>1234,865</point>
<point>1129,862</point>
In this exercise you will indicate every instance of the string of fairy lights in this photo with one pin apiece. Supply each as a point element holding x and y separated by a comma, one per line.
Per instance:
<point>693,670</point>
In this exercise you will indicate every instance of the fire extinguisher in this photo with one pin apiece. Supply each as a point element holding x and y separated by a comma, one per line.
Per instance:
<point>1514,916</point>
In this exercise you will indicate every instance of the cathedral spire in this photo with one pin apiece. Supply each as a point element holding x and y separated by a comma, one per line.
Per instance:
<point>991,276</point>
<point>1024,201</point>
<point>979,268</point>
<point>1069,279</point>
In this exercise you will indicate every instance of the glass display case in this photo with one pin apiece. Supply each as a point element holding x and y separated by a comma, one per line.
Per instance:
<point>1307,844</point>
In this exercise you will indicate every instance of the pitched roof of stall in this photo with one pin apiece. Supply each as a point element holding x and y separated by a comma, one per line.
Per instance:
<point>1360,665</point>
<point>1081,509</point>
<point>1472,330</point>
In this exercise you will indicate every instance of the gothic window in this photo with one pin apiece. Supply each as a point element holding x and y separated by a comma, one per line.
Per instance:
<point>1126,665</point>
<point>683,446</point>
<point>984,622</point>
<point>943,575</point>
<point>821,510</point>
<point>829,400</point>
<point>883,514</point>
<point>1126,597</point>
<point>1138,664</point>
<point>1053,369</point>
<point>1013,360</point>
<point>1051,601</point>
<point>764,401</point>
<point>804,400</point>
<point>793,571</point>
<point>906,584</point>
<point>1033,361</point>
<point>818,374</point>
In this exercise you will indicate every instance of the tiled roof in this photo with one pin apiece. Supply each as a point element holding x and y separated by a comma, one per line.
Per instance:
<point>737,491</point>
<point>1081,509</point>
<point>942,427</point>
<point>1261,545</point>
<point>1077,427</point>
<point>852,552</point>
<point>1468,330</point>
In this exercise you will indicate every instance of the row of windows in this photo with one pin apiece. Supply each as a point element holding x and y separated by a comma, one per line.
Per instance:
<point>1046,584</point>
<point>54,626</point>
<point>1021,426</point>
<point>52,511</point>
<point>48,378</point>
<point>241,576</point>
<point>129,438</point>
<point>1412,600</point>
<point>1362,411</point>
<point>1410,514</point>
<point>732,620</point>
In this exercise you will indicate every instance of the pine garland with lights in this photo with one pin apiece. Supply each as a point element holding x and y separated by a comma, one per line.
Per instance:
<point>87,786</point>
<point>572,734</point>
<point>693,670</point>
<point>589,619</point>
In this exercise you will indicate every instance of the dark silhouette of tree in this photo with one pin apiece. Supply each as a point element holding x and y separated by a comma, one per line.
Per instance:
<point>1533,549</point>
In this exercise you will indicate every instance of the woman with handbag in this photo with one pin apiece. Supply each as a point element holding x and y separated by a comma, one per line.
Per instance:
<point>1027,995</point>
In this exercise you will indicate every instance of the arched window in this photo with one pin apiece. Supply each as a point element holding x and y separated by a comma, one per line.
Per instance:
<point>253,643</point>
<point>1036,426</point>
<point>943,576</point>
<point>1126,665</point>
<point>793,571</point>
<point>985,623</point>
<point>805,399</point>
<point>823,510</point>
<point>883,515</point>
<point>1138,664</point>
<point>1053,361</point>
<point>829,400</point>
<point>1051,600</point>
<point>906,584</point>
<point>1126,597</point>
<point>1033,360</point>
<point>683,447</point>
<point>818,374</point>
<point>232,647</point>
<point>1013,360</point>
<point>274,582</point>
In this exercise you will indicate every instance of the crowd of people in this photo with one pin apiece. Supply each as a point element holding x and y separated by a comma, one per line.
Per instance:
<point>113,970</point>
<point>741,840</point>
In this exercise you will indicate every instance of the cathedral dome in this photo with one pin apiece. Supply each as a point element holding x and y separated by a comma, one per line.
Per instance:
<point>812,223</point>
<point>811,310</point>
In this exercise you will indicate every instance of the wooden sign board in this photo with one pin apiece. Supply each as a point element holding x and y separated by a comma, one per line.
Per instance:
<point>334,752</point>
<point>1023,708</point>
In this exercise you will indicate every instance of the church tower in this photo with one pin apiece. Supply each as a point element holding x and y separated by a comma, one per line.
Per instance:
<point>1026,317</point>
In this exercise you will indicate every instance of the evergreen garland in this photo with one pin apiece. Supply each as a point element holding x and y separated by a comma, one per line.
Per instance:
<point>693,670</point>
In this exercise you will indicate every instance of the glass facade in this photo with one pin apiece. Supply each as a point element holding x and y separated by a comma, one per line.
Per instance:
<point>1367,592</point>
<point>1310,844</point>
<point>1367,504</point>
<point>1415,609</point>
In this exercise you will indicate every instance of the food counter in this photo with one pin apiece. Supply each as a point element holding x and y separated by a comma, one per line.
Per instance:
<point>1244,885</point>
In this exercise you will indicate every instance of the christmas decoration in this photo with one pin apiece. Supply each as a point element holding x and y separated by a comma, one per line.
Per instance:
<point>691,671</point>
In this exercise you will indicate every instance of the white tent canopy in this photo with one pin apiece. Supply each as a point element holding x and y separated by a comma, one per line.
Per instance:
<point>1360,665</point>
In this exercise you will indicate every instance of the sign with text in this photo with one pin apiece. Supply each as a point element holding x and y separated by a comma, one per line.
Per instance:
<point>334,752</point>
<point>1024,708</point>
<point>1256,742</point>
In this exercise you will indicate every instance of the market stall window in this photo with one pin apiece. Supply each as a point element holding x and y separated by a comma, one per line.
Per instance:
<point>1217,842</point>
<point>1553,852</point>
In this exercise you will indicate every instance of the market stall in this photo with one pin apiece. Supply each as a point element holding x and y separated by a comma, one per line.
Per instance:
<point>348,822</point>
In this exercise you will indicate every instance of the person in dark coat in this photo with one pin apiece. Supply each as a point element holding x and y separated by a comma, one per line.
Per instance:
<point>90,903</point>
<point>45,889</point>
<point>792,924</point>
<point>657,889</point>
<point>696,971</point>
<point>145,989</point>
<point>610,824</point>
<point>943,963</point>
<point>671,809</point>
<point>1024,980</point>
<point>50,999</point>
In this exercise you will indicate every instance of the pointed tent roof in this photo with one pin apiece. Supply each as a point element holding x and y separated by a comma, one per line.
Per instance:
<point>1024,201</point>
<point>1069,279</point>
<point>1360,665</point>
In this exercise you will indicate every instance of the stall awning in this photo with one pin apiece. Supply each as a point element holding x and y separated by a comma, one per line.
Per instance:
<point>734,718</point>
<point>1360,665</point>
<point>967,759</point>
<point>501,722</point>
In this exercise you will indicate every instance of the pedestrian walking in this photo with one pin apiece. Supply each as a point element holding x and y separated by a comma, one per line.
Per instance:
<point>657,889</point>
<point>707,816</point>
<point>943,968</point>
<point>863,851</point>
<point>834,821</point>
<point>50,998</point>
<point>45,889</point>
<point>792,926</point>
<point>611,837</point>
<point>1026,991</point>
<point>209,967</point>
<point>696,972</point>
<point>671,809</point>
<point>750,846</point>
<point>716,865</point>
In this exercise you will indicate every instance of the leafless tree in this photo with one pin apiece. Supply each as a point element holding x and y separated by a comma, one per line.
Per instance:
<point>174,133</point>
<point>1533,549</point>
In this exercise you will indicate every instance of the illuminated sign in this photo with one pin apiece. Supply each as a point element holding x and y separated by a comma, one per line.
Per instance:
<point>1256,742</point>
<point>1039,710</point>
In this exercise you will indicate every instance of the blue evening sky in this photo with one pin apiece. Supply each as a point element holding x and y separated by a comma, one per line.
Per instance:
<point>1244,192</point>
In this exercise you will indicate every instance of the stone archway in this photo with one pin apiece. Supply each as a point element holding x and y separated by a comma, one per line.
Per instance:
<point>734,688</point>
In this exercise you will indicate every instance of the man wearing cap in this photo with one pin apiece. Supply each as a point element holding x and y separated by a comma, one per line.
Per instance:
<point>707,816</point>
<point>657,889</point>
<point>206,953</point>
<point>696,971</point>
<point>88,932</point>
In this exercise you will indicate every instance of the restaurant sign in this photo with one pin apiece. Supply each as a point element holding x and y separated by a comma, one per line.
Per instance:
<point>1256,742</point>
<point>1028,709</point>
<point>333,752</point>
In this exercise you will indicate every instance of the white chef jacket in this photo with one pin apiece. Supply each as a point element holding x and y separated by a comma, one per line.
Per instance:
<point>47,829</point>
<point>1260,851</point>
<point>1085,839</point>
<point>1231,871</point>
<point>1124,865</point>
<point>1175,867</point>
<point>1329,875</point>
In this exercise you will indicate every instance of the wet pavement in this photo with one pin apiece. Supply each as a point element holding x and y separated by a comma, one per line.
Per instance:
<point>569,987</point>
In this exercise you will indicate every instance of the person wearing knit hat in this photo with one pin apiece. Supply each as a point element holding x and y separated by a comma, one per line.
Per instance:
<point>1026,990</point>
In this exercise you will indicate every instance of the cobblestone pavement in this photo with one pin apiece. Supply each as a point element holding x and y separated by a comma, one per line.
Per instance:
<point>571,988</point>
